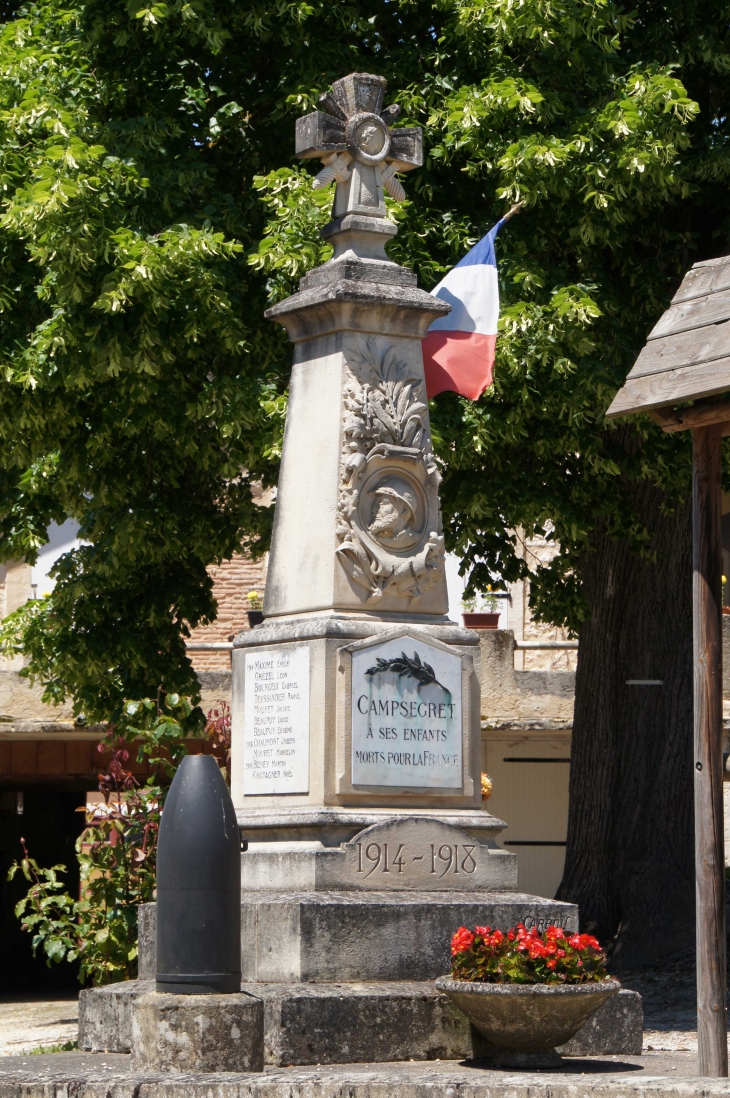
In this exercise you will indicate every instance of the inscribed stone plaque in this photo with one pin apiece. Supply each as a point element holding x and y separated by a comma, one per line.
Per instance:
<point>406,716</point>
<point>276,721</point>
<point>415,853</point>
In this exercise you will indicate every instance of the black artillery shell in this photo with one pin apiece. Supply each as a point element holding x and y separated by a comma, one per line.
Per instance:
<point>198,884</point>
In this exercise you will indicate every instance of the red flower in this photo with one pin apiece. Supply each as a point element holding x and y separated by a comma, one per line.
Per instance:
<point>461,941</point>
<point>522,955</point>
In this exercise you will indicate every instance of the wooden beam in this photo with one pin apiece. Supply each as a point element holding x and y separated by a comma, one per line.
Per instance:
<point>665,417</point>
<point>683,419</point>
<point>708,762</point>
<point>668,387</point>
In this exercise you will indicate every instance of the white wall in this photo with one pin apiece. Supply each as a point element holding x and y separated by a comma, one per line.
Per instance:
<point>455,585</point>
<point>60,540</point>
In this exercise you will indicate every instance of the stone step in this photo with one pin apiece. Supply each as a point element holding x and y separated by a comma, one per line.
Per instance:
<point>585,1078</point>
<point>357,1022</point>
<point>325,937</point>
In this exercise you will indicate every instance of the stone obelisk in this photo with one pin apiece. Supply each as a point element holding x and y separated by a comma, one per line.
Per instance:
<point>357,699</point>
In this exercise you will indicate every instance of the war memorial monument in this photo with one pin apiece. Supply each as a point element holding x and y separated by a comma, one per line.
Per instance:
<point>356,727</point>
<point>356,704</point>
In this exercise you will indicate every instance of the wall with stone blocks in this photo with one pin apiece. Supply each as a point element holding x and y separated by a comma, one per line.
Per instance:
<point>509,695</point>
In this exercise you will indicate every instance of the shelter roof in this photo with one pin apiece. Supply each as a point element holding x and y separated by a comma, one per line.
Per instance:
<point>687,355</point>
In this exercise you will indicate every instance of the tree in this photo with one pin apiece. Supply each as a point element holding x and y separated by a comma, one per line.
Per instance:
<point>578,118</point>
<point>139,377</point>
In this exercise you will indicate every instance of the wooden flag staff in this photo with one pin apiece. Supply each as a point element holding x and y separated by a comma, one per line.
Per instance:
<point>687,358</point>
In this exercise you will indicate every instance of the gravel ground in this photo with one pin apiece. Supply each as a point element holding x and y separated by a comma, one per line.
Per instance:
<point>670,1012</point>
<point>28,1022</point>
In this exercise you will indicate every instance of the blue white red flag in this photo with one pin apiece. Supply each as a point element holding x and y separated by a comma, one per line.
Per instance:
<point>458,350</point>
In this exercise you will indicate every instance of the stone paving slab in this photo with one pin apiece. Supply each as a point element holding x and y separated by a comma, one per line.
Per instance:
<point>28,1022</point>
<point>89,1075</point>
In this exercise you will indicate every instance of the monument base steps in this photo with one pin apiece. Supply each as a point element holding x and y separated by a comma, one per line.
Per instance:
<point>354,1023</point>
<point>653,1076</point>
<point>362,937</point>
<point>330,937</point>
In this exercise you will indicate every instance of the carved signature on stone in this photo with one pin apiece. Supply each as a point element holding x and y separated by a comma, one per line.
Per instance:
<point>389,419</point>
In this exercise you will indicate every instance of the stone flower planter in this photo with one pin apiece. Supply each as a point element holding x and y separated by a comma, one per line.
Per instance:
<point>523,1023</point>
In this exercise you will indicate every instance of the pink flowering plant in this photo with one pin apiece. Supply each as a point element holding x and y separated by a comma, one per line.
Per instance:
<point>524,956</point>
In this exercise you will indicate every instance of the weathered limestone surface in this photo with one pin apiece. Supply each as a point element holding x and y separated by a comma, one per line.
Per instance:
<point>361,1022</point>
<point>430,855</point>
<point>364,1022</point>
<point>663,1076</point>
<point>21,701</point>
<point>146,940</point>
<point>517,696</point>
<point>330,643</point>
<point>105,1015</point>
<point>326,937</point>
<point>616,1027</point>
<point>208,1033</point>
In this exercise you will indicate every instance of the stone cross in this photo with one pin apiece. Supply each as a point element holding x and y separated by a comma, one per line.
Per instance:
<point>353,138</point>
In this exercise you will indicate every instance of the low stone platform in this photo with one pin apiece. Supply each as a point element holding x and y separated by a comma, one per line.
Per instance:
<point>326,937</point>
<point>669,1075</point>
<point>329,937</point>
<point>356,1022</point>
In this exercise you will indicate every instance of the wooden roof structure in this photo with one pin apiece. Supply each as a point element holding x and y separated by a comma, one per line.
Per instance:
<point>687,355</point>
<point>687,358</point>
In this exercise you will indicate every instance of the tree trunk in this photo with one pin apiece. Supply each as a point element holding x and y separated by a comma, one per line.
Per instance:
<point>630,847</point>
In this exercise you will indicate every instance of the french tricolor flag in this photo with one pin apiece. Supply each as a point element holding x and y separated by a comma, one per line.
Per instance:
<point>458,350</point>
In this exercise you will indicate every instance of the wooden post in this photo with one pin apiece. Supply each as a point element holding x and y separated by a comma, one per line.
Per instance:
<point>709,846</point>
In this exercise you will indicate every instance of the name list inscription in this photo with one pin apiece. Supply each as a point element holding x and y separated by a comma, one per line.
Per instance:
<point>276,721</point>
<point>406,716</point>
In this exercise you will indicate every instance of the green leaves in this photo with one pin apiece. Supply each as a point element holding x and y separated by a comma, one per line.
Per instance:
<point>151,212</point>
<point>291,244</point>
<point>117,850</point>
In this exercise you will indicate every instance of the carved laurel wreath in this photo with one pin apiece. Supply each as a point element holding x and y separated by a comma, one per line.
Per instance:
<point>409,667</point>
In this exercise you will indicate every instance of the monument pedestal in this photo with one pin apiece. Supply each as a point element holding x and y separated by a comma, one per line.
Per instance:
<point>355,765</point>
<point>188,1033</point>
<point>344,977</point>
<point>342,712</point>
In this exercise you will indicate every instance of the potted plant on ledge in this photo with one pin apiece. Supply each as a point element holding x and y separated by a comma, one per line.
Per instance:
<point>526,992</point>
<point>486,617</point>
<point>254,613</point>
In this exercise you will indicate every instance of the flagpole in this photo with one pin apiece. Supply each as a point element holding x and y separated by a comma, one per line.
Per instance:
<point>515,209</point>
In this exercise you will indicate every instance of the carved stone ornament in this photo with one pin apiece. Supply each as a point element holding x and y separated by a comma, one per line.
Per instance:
<point>353,138</point>
<point>388,529</point>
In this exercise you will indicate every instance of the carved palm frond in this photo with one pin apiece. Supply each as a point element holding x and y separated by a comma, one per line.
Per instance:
<point>410,667</point>
<point>387,367</point>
